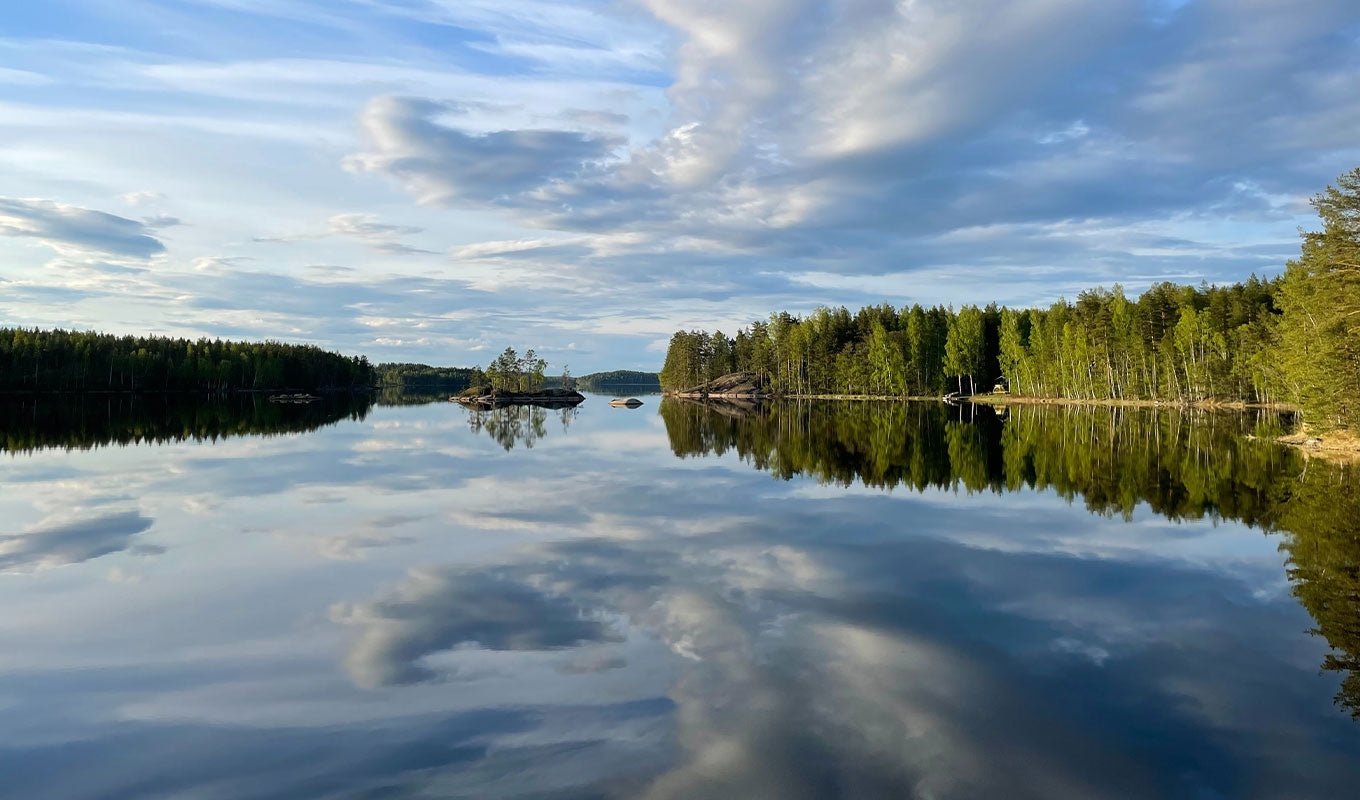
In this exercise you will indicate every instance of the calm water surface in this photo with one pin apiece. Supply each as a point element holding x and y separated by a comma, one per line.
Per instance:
<point>240,600</point>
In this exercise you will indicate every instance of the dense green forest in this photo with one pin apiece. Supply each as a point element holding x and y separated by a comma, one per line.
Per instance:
<point>78,361</point>
<point>1182,464</point>
<point>1294,338</point>
<point>623,378</point>
<point>1179,343</point>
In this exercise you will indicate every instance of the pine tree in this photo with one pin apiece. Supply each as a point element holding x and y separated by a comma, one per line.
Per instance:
<point>1320,300</point>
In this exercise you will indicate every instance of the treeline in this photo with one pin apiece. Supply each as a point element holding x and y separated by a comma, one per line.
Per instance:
<point>419,378</point>
<point>620,377</point>
<point>82,361</point>
<point>1294,338</point>
<point>1179,343</point>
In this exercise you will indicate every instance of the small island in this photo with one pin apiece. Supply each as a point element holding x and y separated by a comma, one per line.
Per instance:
<point>515,380</point>
<point>495,397</point>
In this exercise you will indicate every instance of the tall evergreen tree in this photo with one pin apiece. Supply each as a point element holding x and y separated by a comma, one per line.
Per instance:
<point>1320,298</point>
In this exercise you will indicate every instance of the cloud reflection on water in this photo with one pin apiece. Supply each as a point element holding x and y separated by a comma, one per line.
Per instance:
<point>579,620</point>
<point>71,542</point>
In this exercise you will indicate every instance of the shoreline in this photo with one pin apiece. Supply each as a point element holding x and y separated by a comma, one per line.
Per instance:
<point>1000,400</point>
<point>1205,405</point>
<point>1333,447</point>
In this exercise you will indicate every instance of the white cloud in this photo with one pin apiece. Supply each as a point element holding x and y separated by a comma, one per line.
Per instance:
<point>446,166</point>
<point>74,230</point>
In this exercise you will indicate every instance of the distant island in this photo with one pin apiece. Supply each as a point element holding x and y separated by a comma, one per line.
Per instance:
<point>1293,339</point>
<point>423,378</point>
<point>621,379</point>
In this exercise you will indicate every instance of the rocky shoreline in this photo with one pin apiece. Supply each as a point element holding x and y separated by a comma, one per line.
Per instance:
<point>743,385</point>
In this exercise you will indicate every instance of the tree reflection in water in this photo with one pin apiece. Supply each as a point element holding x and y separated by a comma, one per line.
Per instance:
<point>1182,464</point>
<point>511,425</point>
<point>88,421</point>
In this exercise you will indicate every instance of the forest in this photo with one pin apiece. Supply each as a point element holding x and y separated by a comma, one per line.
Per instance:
<point>1294,338</point>
<point>82,361</point>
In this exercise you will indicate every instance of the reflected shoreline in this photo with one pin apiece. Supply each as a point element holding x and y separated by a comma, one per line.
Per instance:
<point>88,421</point>
<point>1182,464</point>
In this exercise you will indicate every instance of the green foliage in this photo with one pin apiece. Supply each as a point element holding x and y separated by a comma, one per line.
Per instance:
<point>1320,297</point>
<point>516,373</point>
<point>1175,343</point>
<point>964,346</point>
<point>877,351</point>
<point>82,361</point>
<point>687,360</point>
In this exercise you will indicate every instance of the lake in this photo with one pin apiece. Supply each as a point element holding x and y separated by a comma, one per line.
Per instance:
<point>239,599</point>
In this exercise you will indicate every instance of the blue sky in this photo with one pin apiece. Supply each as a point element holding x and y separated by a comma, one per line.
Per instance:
<point>432,181</point>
